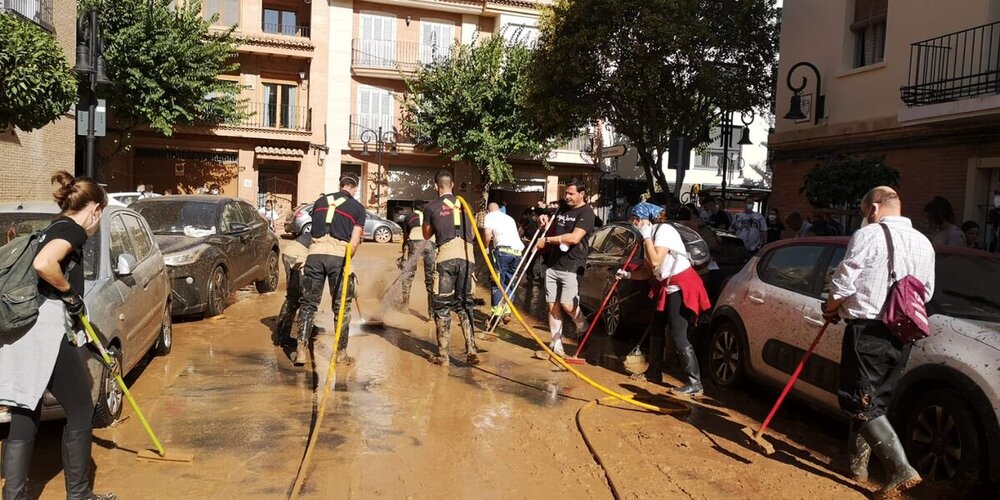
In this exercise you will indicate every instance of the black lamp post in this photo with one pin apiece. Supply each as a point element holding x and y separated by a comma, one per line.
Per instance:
<point>382,140</point>
<point>727,138</point>
<point>795,111</point>
<point>90,63</point>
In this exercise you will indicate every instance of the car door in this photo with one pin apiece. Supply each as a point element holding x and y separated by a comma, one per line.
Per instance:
<point>591,283</point>
<point>237,244</point>
<point>132,317</point>
<point>823,369</point>
<point>773,308</point>
<point>150,279</point>
<point>258,238</point>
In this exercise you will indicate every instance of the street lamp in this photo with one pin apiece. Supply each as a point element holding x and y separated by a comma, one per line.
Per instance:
<point>90,63</point>
<point>383,140</point>
<point>727,139</point>
<point>795,110</point>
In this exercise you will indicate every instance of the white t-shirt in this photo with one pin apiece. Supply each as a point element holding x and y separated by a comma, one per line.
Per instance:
<point>504,230</point>
<point>271,216</point>
<point>665,236</point>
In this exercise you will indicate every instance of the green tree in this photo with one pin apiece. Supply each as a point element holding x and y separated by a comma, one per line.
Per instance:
<point>37,85</point>
<point>470,107</point>
<point>842,181</point>
<point>653,68</point>
<point>164,62</point>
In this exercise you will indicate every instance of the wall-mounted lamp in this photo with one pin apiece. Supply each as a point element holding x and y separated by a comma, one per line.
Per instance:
<point>302,75</point>
<point>795,111</point>
<point>407,20</point>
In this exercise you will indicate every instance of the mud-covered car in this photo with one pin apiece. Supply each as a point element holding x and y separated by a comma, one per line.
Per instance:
<point>126,292</point>
<point>629,307</point>
<point>377,229</point>
<point>212,245</point>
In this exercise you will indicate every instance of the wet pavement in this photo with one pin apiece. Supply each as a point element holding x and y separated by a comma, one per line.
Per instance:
<point>400,427</point>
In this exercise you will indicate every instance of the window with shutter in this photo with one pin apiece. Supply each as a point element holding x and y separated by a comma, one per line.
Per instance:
<point>375,109</point>
<point>436,41</point>
<point>378,41</point>
<point>228,11</point>
<point>869,31</point>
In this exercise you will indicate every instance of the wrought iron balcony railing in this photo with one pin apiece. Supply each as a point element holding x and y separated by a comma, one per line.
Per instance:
<point>272,116</point>
<point>285,29</point>
<point>955,66</point>
<point>360,123</point>
<point>393,55</point>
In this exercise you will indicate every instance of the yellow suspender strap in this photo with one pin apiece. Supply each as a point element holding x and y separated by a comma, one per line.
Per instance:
<point>334,203</point>
<point>456,211</point>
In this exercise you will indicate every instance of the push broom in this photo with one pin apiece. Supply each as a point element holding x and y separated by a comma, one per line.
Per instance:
<point>576,359</point>
<point>160,454</point>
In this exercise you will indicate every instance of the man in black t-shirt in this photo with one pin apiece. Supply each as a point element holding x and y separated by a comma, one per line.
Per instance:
<point>415,248</point>
<point>566,259</point>
<point>337,219</point>
<point>446,222</point>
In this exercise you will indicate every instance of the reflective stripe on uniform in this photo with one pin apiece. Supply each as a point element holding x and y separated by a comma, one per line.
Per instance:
<point>334,204</point>
<point>456,211</point>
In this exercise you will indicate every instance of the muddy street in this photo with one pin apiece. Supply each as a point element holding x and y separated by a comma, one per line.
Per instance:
<point>400,427</point>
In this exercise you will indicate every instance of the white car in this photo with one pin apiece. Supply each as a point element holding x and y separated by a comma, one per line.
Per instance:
<point>125,199</point>
<point>947,406</point>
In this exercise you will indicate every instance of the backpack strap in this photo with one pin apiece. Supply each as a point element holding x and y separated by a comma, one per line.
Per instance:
<point>892,252</point>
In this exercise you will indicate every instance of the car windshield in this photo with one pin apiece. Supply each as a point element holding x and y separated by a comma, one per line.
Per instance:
<point>127,199</point>
<point>966,287</point>
<point>171,217</point>
<point>19,224</point>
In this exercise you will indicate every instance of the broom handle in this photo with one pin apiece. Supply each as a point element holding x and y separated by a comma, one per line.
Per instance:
<point>614,286</point>
<point>791,381</point>
<point>121,383</point>
<point>531,256</point>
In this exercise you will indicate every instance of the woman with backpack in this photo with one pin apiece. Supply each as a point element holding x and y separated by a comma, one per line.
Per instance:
<point>677,292</point>
<point>46,355</point>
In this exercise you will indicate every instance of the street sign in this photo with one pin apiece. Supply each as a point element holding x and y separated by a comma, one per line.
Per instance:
<point>100,118</point>
<point>613,151</point>
<point>679,153</point>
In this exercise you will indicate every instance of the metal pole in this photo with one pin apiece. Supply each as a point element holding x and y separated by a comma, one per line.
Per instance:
<point>726,137</point>
<point>378,180</point>
<point>91,132</point>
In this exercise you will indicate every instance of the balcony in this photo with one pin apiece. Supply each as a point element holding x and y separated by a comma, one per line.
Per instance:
<point>392,59</point>
<point>582,143</point>
<point>284,29</point>
<point>360,123</point>
<point>952,67</point>
<point>273,117</point>
<point>36,11</point>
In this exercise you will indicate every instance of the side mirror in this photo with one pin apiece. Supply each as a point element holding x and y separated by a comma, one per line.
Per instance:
<point>125,265</point>
<point>238,228</point>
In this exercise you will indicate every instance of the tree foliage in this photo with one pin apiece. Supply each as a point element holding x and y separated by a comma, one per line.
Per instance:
<point>470,107</point>
<point>164,62</point>
<point>653,68</point>
<point>37,84</point>
<point>842,182</point>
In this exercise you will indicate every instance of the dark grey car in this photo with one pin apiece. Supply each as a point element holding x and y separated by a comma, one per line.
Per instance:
<point>377,229</point>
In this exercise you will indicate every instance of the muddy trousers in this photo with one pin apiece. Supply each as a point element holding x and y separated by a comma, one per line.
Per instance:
<point>453,292</point>
<point>871,362</point>
<point>69,384</point>
<point>674,318</point>
<point>419,250</point>
<point>506,264</point>
<point>319,270</point>
<point>293,296</point>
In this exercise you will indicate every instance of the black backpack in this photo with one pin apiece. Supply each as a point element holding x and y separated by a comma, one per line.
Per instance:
<point>19,298</point>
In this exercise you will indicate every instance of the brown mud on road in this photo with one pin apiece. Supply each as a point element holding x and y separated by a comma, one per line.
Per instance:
<point>400,427</point>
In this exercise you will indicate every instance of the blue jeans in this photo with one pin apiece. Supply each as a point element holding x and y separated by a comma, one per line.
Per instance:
<point>506,265</point>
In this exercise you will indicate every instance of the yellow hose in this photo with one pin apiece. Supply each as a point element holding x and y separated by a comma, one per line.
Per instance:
<point>331,380</point>
<point>552,355</point>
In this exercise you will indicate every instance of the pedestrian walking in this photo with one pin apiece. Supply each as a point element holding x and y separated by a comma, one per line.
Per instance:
<point>678,295</point>
<point>750,227</point>
<point>872,357</point>
<point>293,259</point>
<point>774,225</point>
<point>446,222</point>
<point>270,215</point>
<point>565,260</point>
<point>48,355</point>
<point>417,248</point>
<point>503,239</point>
<point>941,222</point>
<point>337,220</point>
<point>796,223</point>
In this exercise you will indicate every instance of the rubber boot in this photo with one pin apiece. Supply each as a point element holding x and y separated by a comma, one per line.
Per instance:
<point>654,373</point>
<point>76,466</point>
<point>886,446</point>
<point>302,347</point>
<point>858,453</point>
<point>471,354</point>
<point>16,461</point>
<point>444,338</point>
<point>692,374</point>
<point>283,328</point>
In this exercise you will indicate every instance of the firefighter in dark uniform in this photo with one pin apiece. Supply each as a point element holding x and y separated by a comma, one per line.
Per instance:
<point>293,257</point>
<point>415,248</point>
<point>337,219</point>
<point>445,221</point>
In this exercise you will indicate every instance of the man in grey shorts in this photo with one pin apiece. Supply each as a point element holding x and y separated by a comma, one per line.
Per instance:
<point>565,260</point>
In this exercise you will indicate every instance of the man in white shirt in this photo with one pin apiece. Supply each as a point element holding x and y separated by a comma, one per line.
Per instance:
<point>270,215</point>
<point>503,238</point>
<point>750,226</point>
<point>872,357</point>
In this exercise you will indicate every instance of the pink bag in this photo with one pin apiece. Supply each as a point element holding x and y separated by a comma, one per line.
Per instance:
<point>904,312</point>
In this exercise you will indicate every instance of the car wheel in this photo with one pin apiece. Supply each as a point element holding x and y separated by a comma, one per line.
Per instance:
<point>218,291</point>
<point>383,235</point>
<point>613,314</point>
<point>110,397</point>
<point>307,228</point>
<point>726,356</point>
<point>943,439</point>
<point>270,282</point>
<point>166,341</point>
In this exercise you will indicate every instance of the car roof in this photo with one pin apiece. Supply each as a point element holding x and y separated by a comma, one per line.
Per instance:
<point>843,240</point>
<point>45,207</point>
<point>200,198</point>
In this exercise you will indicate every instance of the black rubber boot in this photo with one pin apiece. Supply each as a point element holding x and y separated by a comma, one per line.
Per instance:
<point>858,453</point>
<point>471,353</point>
<point>886,446</point>
<point>283,328</point>
<point>692,374</point>
<point>444,339</point>
<point>654,373</point>
<point>76,466</point>
<point>16,461</point>
<point>302,347</point>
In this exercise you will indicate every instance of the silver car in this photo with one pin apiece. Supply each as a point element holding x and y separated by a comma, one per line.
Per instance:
<point>377,229</point>
<point>126,291</point>
<point>947,405</point>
